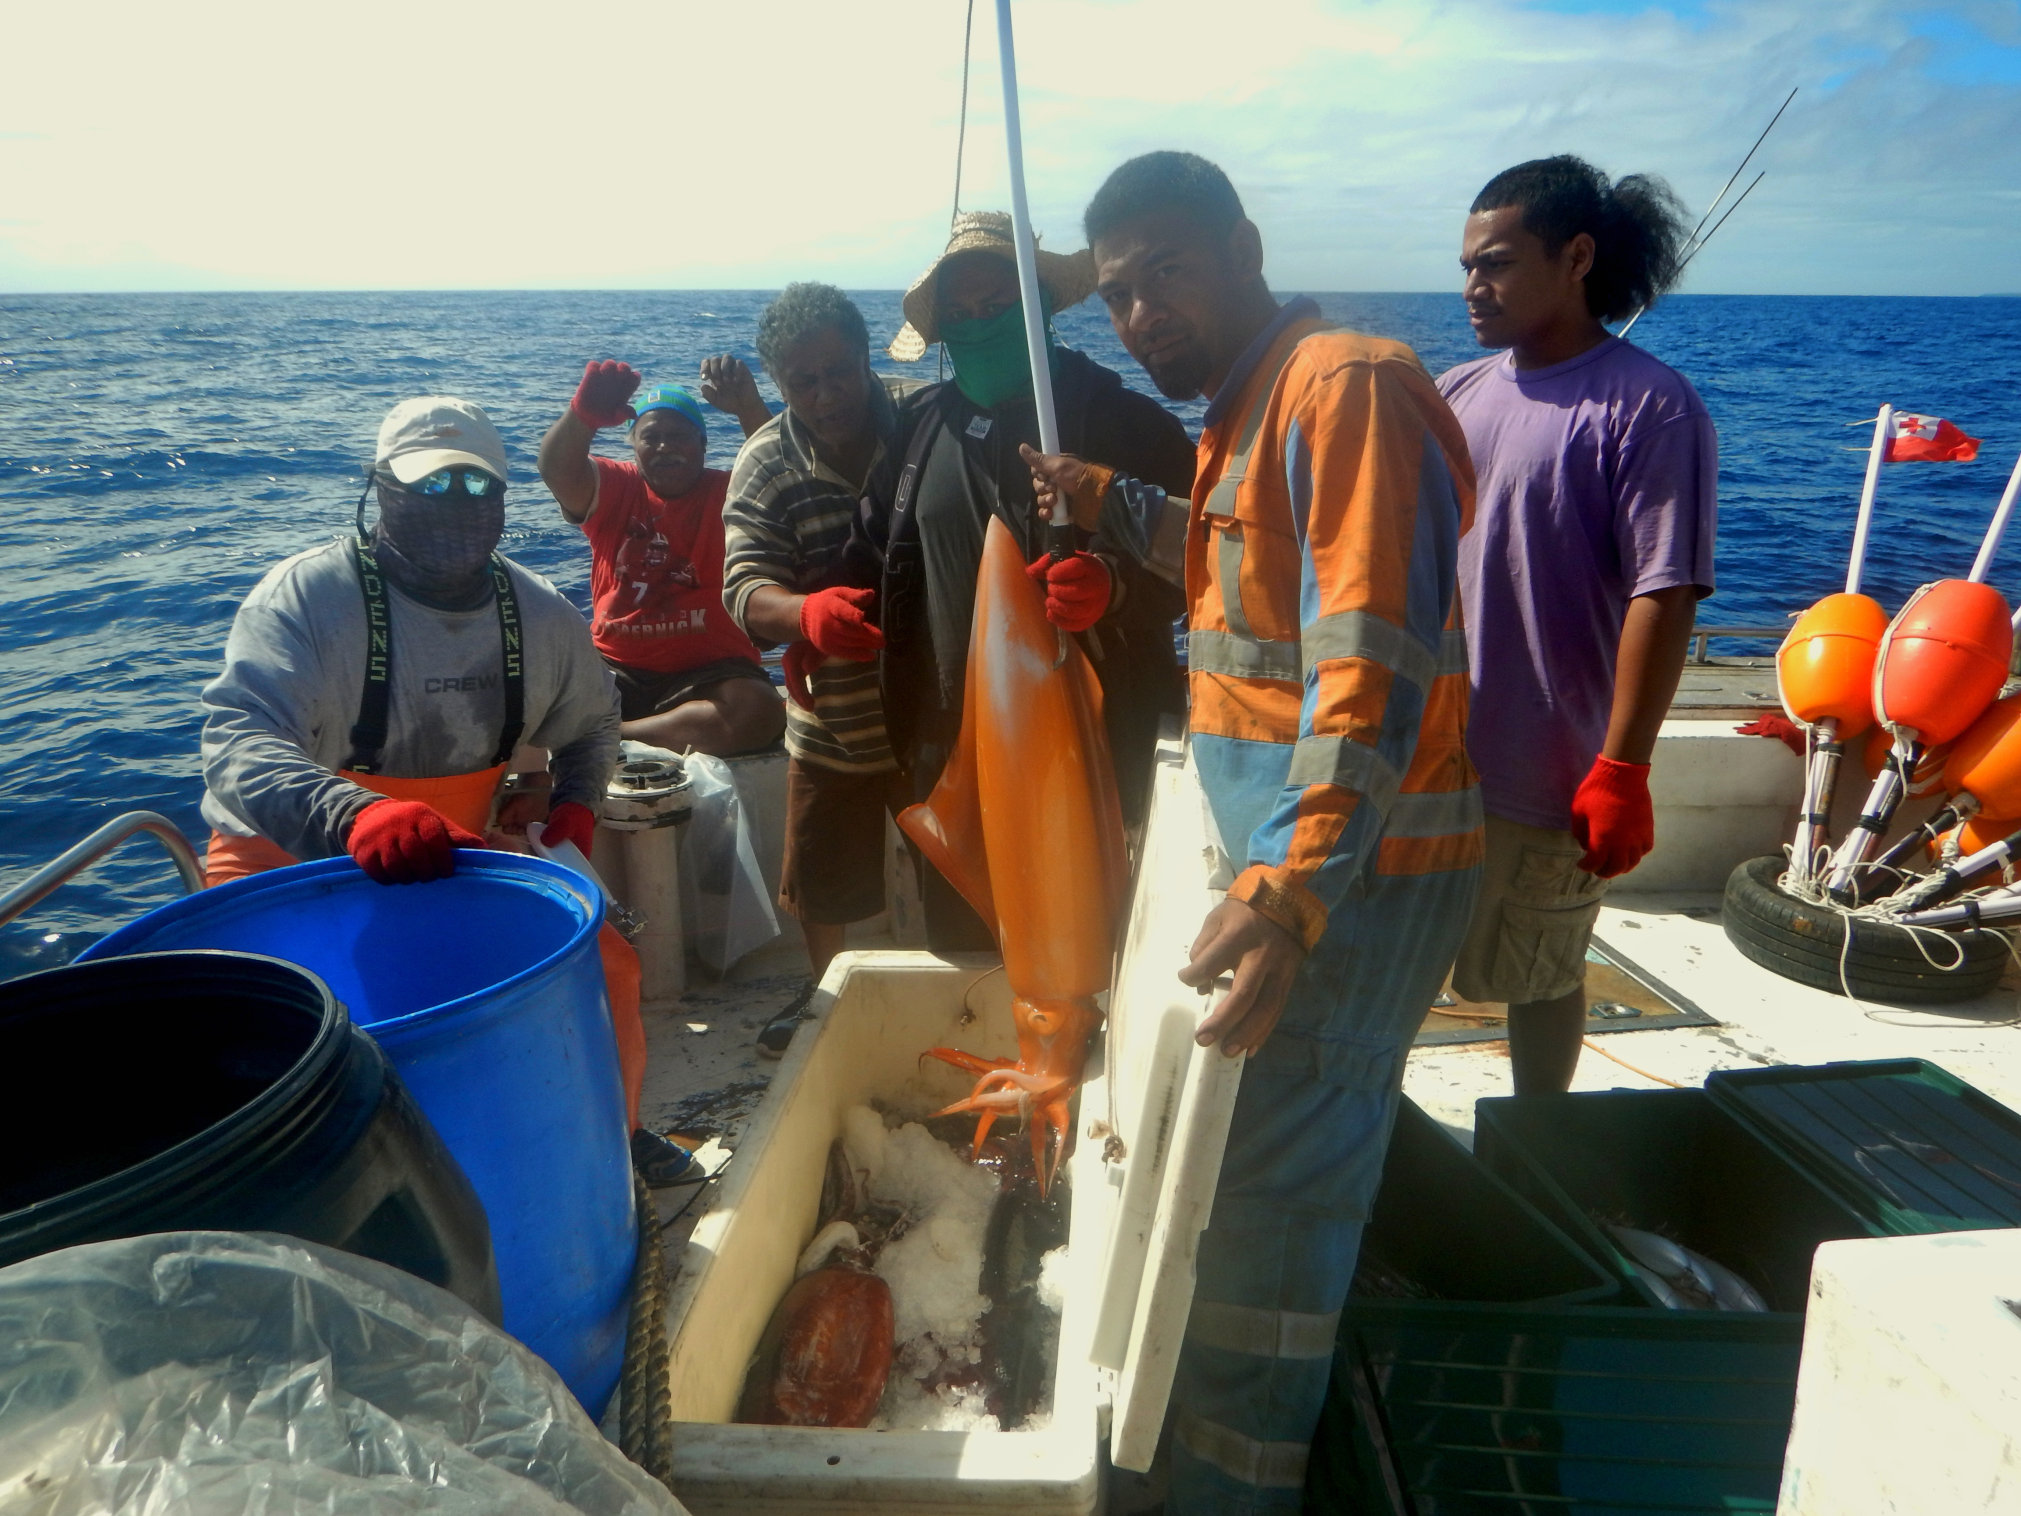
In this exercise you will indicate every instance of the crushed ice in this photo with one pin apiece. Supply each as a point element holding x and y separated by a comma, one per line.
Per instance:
<point>933,1269</point>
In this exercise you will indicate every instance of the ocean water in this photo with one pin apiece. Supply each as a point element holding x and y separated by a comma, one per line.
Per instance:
<point>159,452</point>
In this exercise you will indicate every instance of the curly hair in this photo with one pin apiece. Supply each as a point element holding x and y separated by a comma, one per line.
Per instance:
<point>1637,225</point>
<point>801,310</point>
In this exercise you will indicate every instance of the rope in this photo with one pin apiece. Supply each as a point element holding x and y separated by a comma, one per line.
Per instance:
<point>1590,1043</point>
<point>646,1403</point>
<point>961,131</point>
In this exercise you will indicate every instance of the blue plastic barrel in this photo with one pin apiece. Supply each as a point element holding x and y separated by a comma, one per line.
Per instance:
<point>487,992</point>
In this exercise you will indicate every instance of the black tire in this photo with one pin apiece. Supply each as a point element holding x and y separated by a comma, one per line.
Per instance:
<point>1805,942</point>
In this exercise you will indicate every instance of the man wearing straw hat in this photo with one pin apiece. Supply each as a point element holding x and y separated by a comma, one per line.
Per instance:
<point>962,466</point>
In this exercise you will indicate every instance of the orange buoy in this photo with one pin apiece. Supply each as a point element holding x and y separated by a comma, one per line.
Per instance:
<point>1825,666</point>
<point>1943,659</point>
<point>1985,763</point>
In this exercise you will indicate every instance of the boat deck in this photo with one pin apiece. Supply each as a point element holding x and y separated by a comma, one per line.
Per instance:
<point>1760,1018</point>
<point>1720,798</point>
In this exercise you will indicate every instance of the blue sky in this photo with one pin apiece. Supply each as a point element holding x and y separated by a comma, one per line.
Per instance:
<point>409,143</point>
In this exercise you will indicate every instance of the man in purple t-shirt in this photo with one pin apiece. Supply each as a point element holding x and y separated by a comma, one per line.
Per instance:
<point>1592,544</point>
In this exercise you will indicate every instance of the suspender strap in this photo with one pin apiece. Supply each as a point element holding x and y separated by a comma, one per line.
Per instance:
<point>368,734</point>
<point>512,655</point>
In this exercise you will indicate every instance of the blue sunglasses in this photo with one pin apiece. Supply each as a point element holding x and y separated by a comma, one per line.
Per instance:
<point>473,482</point>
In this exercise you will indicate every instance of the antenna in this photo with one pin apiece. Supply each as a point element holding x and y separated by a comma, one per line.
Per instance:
<point>1695,244</point>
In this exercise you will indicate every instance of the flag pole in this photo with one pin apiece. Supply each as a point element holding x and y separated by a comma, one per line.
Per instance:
<point>1875,454</point>
<point>1060,536</point>
<point>1983,564</point>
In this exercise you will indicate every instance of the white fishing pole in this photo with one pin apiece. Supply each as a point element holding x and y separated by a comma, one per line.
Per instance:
<point>1893,780</point>
<point>1984,562</point>
<point>1021,232</point>
<point>1875,455</point>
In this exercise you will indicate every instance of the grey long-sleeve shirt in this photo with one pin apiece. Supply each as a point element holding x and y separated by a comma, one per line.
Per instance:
<point>279,717</point>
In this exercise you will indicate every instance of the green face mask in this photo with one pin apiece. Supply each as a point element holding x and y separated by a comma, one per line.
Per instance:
<point>991,363</point>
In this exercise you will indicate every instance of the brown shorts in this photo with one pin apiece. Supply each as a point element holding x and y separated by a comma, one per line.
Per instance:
<point>647,692</point>
<point>1535,915</point>
<point>834,868</point>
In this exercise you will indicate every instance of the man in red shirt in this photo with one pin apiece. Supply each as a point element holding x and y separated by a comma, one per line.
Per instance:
<point>687,676</point>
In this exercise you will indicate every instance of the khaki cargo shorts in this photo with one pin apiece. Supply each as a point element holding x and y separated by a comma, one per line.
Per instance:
<point>1535,915</point>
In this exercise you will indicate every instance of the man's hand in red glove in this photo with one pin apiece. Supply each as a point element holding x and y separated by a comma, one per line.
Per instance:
<point>798,661</point>
<point>604,396</point>
<point>1781,728</point>
<point>1077,590</point>
<point>837,622</point>
<point>406,842</point>
<point>570,822</point>
<point>1612,818</point>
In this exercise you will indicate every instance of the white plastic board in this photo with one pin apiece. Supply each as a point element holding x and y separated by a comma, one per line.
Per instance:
<point>1172,1104</point>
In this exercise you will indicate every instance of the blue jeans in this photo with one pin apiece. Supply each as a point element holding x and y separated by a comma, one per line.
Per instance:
<point>1304,1160</point>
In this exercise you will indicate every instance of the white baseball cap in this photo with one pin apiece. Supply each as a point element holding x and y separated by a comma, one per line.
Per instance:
<point>433,432</point>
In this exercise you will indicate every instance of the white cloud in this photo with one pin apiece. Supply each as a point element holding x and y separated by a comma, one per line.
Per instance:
<point>403,145</point>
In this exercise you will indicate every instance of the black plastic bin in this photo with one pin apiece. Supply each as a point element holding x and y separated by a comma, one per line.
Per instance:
<point>1484,1410</point>
<point>1674,1162</point>
<point>1447,1225</point>
<point>1912,1148</point>
<point>221,1091</point>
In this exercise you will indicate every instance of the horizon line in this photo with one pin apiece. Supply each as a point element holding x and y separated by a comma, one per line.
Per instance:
<point>584,289</point>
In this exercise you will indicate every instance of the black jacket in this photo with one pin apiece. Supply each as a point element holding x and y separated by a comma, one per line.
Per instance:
<point>1131,648</point>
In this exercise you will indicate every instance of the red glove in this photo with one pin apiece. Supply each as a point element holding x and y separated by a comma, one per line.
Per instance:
<point>602,399</point>
<point>1784,730</point>
<point>835,621</point>
<point>1612,818</point>
<point>570,822</point>
<point>1077,590</point>
<point>406,842</point>
<point>798,661</point>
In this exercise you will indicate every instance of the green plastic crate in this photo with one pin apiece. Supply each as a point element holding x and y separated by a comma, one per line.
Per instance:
<point>1444,1221</point>
<point>1675,1162</point>
<point>1484,1410</point>
<point>1911,1147</point>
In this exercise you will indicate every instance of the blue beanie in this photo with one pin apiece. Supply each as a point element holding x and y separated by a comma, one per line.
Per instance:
<point>671,397</point>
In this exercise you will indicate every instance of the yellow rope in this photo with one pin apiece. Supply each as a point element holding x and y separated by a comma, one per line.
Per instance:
<point>1589,1042</point>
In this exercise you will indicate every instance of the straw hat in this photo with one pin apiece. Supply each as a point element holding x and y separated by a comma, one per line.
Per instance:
<point>1068,277</point>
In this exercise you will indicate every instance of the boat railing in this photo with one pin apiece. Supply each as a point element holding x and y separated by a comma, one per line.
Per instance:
<point>61,870</point>
<point>1701,635</point>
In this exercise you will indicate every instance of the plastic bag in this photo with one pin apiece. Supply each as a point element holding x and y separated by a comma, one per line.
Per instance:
<point>724,903</point>
<point>226,1372</point>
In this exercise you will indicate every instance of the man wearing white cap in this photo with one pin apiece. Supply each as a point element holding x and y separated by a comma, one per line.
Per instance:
<point>375,688</point>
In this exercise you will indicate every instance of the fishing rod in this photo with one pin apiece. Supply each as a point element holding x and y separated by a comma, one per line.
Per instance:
<point>1060,536</point>
<point>1737,173</point>
<point>1695,244</point>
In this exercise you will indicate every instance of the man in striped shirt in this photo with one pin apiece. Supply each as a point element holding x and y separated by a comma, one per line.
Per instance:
<point>793,495</point>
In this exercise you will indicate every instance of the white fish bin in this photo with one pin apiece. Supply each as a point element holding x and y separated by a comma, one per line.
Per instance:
<point>1151,1122</point>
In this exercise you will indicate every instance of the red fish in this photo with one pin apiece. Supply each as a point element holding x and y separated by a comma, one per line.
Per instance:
<point>825,1354</point>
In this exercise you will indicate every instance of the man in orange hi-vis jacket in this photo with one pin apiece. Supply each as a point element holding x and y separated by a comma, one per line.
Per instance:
<point>1328,678</point>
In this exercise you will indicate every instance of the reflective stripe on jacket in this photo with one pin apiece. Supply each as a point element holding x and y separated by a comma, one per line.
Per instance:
<point>1327,661</point>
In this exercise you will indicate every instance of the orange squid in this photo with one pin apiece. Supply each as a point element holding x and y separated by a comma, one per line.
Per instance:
<point>1025,824</point>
